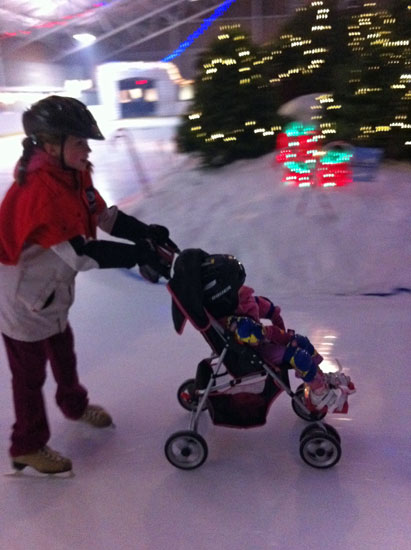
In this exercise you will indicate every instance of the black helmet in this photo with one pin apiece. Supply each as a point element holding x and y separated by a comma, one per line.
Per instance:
<point>60,116</point>
<point>222,276</point>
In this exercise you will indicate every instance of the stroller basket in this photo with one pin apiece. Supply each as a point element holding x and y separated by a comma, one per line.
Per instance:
<point>247,401</point>
<point>243,407</point>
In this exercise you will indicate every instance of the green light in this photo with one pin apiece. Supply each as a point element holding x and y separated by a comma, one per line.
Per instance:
<point>298,129</point>
<point>298,167</point>
<point>336,157</point>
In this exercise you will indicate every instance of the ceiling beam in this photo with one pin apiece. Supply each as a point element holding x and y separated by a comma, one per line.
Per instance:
<point>40,35</point>
<point>169,10</point>
<point>165,29</point>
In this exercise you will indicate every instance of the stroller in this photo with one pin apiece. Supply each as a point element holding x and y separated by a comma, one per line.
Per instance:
<point>234,384</point>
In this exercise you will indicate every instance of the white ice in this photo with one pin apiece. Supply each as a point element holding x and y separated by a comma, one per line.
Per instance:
<point>322,256</point>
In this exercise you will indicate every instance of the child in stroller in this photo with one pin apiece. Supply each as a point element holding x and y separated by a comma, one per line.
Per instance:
<point>209,290</point>
<point>275,344</point>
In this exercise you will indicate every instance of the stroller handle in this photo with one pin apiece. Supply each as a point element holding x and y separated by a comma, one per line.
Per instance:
<point>167,252</point>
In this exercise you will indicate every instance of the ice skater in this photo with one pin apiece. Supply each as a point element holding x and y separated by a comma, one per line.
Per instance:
<point>48,223</point>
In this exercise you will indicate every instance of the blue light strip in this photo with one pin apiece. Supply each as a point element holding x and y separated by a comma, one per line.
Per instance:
<point>203,27</point>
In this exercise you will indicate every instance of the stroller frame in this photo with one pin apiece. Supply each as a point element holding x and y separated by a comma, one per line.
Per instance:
<point>320,443</point>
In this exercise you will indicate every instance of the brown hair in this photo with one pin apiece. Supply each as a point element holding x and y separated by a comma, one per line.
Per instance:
<point>30,144</point>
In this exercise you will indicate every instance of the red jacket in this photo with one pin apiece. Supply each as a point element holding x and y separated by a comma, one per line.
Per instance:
<point>52,206</point>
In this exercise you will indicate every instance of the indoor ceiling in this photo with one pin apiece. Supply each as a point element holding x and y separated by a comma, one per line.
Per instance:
<point>122,27</point>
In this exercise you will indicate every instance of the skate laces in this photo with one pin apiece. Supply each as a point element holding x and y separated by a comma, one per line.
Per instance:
<point>49,454</point>
<point>91,413</point>
<point>96,416</point>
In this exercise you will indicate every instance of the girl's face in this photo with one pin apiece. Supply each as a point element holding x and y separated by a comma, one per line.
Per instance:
<point>76,151</point>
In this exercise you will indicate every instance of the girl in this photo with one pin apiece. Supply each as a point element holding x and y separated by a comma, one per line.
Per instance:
<point>48,222</point>
<point>278,345</point>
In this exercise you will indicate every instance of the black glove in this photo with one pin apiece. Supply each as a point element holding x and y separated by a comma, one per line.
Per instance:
<point>158,233</point>
<point>149,257</point>
<point>128,227</point>
<point>112,254</point>
<point>132,229</point>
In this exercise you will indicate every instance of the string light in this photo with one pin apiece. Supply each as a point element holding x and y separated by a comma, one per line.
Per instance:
<point>201,29</point>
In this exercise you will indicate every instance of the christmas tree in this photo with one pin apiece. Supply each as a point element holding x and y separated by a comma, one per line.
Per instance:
<point>233,114</point>
<point>309,50</point>
<point>370,102</point>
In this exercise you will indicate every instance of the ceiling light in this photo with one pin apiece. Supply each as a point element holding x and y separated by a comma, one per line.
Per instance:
<point>85,38</point>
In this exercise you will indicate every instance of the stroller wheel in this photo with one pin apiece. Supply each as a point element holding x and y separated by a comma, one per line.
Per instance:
<point>299,411</point>
<point>319,449</point>
<point>321,426</point>
<point>186,450</point>
<point>186,396</point>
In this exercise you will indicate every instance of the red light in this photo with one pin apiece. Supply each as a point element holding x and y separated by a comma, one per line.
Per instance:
<point>140,82</point>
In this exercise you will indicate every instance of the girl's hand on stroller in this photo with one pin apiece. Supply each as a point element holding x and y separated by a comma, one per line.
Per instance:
<point>148,256</point>
<point>157,233</point>
<point>246,330</point>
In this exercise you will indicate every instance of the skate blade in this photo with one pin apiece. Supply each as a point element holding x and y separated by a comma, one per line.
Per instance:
<point>33,474</point>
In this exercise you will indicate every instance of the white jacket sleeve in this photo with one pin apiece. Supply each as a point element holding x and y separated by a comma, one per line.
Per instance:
<point>83,254</point>
<point>107,219</point>
<point>69,255</point>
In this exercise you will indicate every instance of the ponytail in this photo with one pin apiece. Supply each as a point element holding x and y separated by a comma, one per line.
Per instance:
<point>29,145</point>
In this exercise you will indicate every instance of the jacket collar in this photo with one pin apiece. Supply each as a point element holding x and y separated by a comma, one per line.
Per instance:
<point>40,160</point>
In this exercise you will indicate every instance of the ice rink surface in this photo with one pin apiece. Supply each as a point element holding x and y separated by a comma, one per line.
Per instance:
<point>254,491</point>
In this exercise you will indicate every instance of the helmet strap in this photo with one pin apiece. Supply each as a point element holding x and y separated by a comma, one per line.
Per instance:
<point>62,144</point>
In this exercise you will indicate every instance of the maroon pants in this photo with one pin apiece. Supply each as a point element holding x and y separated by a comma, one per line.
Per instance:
<point>27,362</point>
